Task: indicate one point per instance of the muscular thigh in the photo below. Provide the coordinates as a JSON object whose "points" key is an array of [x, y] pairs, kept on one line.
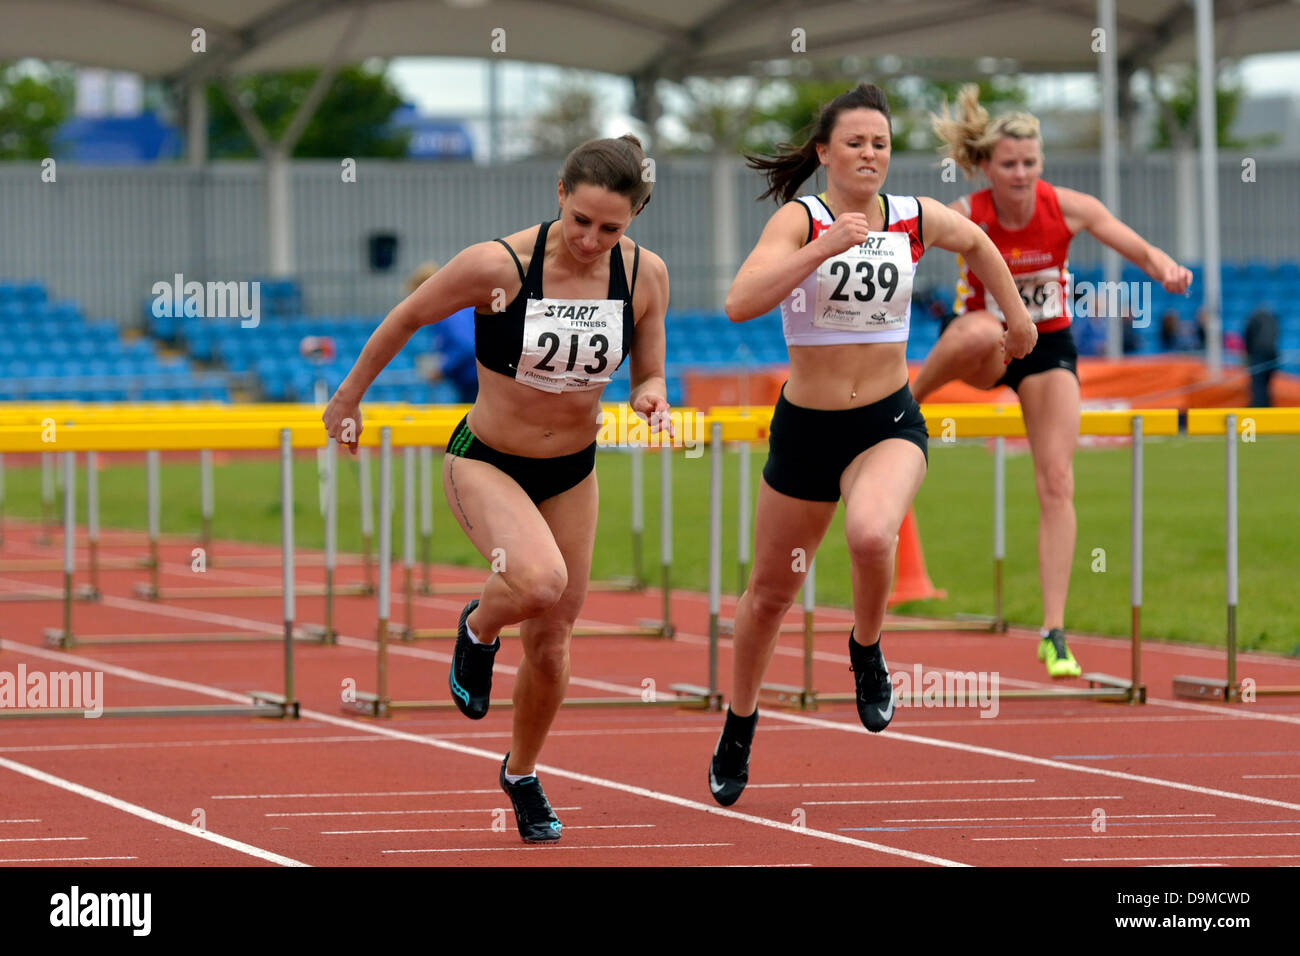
{"points": [[1049, 402], [787, 533], [497, 516]]}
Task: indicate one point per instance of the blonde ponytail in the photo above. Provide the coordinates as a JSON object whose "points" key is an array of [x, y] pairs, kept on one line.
{"points": [[969, 135]]}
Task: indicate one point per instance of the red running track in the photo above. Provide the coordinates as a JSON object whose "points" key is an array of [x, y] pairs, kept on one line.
{"points": [[1046, 783]]}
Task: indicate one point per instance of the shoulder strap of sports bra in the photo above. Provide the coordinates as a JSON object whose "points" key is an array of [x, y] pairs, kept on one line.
{"points": [[636, 262], [518, 264]]}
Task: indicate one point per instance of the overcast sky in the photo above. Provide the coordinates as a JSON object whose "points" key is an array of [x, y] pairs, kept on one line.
{"points": [[459, 87]]}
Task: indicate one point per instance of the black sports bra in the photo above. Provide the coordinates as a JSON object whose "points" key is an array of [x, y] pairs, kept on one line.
{"points": [[559, 345]]}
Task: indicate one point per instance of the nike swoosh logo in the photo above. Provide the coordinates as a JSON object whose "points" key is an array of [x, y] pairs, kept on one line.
{"points": [[713, 783], [898, 416], [886, 713]]}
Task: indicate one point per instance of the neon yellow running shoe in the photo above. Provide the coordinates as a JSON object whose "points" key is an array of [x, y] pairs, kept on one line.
{"points": [[1053, 652]]}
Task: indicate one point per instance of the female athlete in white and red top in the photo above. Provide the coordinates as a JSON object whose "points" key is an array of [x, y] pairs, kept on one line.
{"points": [[1031, 222], [840, 266]]}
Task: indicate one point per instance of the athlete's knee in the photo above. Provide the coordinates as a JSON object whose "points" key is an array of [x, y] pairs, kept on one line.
{"points": [[870, 542], [538, 588], [769, 601], [1055, 482], [978, 338]]}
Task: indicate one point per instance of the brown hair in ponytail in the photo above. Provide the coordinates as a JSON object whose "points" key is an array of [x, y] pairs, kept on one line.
{"points": [[792, 165]]}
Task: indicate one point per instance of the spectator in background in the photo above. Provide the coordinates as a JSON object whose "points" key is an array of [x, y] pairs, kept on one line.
{"points": [[1131, 343], [1090, 335], [1169, 326], [1261, 354], [453, 339], [1196, 337]]}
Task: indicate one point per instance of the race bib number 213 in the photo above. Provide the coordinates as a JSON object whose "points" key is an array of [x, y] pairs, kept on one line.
{"points": [[571, 344]]}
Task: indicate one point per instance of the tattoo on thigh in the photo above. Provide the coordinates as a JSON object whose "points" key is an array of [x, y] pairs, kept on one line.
{"points": [[451, 477]]}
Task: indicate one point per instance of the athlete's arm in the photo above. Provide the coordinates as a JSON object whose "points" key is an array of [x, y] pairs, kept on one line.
{"points": [[953, 232], [650, 302], [781, 260], [1082, 211], [476, 277]]}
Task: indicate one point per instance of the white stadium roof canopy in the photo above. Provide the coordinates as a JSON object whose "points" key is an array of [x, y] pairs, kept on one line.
{"points": [[668, 38]]}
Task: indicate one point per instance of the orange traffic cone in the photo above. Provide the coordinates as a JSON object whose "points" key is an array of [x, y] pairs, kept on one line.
{"points": [[911, 581]]}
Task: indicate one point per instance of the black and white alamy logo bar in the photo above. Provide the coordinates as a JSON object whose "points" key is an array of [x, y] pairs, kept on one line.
{"points": [[75, 908]]}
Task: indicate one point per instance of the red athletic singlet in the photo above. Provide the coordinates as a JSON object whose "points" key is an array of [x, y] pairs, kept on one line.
{"points": [[1037, 255]]}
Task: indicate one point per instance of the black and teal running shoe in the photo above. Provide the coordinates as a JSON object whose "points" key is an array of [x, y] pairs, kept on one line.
{"points": [[537, 821], [874, 690], [470, 678], [729, 769]]}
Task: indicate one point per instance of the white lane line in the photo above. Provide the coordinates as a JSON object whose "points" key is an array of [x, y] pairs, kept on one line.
{"points": [[1229, 709], [1075, 817], [837, 803], [563, 846], [153, 745], [145, 814], [393, 813], [30, 820], [891, 783], [1137, 859], [1037, 761], [65, 859], [567, 828], [39, 839], [1135, 836], [803, 831], [392, 734], [363, 793], [1270, 776], [751, 866]]}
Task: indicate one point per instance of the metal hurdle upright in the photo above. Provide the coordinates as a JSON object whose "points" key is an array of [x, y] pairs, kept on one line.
{"points": [[381, 704], [1230, 423], [88, 438]]}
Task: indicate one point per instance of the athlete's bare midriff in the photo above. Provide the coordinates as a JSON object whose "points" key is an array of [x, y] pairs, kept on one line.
{"points": [[521, 420], [827, 376]]}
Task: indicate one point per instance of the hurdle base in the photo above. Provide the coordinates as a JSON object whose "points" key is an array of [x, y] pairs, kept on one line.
{"points": [[1098, 681], [281, 706], [1205, 688], [57, 637], [145, 591], [365, 705], [687, 696], [175, 710], [318, 634], [787, 696], [87, 592]]}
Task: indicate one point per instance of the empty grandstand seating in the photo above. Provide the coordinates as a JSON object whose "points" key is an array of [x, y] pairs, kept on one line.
{"points": [[51, 352]]}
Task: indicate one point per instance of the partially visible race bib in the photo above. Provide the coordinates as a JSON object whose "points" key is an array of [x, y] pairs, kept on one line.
{"points": [[868, 287], [571, 345], [1040, 292]]}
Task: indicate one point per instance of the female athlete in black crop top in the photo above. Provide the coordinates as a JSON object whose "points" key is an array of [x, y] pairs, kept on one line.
{"points": [[555, 316]]}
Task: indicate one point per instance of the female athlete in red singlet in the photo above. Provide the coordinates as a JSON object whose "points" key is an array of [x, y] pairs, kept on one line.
{"points": [[1031, 222]]}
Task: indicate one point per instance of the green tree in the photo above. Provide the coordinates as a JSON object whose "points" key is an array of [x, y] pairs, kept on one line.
{"points": [[567, 120], [34, 101], [783, 111], [1178, 119], [351, 120]]}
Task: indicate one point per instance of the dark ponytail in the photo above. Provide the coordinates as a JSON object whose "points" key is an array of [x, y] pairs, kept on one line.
{"points": [[614, 164], [791, 167]]}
